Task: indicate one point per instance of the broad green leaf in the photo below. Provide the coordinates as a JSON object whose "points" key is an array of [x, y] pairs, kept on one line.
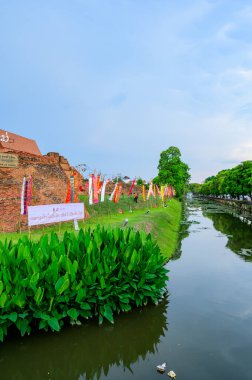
{"points": [[13, 316], [102, 281], [39, 295], [23, 326], [1, 334], [108, 314], [62, 284], [54, 324], [1, 287], [19, 299], [85, 306], [3, 299], [73, 313]]}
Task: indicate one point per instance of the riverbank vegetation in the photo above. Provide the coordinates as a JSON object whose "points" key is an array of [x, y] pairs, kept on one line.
{"points": [[98, 273], [163, 223], [235, 183]]}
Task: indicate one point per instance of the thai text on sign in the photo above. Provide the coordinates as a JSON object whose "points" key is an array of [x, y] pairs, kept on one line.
{"points": [[55, 213], [8, 160]]}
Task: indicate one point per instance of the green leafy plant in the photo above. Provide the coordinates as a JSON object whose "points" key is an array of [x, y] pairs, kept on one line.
{"points": [[98, 273]]}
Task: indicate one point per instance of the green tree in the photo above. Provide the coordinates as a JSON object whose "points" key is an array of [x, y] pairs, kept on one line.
{"points": [[235, 182], [140, 181], [173, 171], [194, 188]]}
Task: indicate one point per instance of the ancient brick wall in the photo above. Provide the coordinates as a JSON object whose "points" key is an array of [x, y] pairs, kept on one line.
{"points": [[50, 176]]}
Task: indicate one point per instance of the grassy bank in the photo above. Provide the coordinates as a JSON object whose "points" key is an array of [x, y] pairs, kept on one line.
{"points": [[162, 223]]}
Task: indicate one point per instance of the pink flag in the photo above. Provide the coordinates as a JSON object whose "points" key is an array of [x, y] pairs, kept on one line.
{"points": [[132, 186]]}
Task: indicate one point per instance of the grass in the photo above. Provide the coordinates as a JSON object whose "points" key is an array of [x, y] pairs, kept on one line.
{"points": [[162, 223]]}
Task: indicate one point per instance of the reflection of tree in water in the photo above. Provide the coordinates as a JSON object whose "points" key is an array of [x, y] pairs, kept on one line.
{"points": [[239, 233], [183, 233], [85, 352]]}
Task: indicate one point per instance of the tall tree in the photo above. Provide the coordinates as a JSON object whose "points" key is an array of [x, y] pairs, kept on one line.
{"points": [[173, 171]]}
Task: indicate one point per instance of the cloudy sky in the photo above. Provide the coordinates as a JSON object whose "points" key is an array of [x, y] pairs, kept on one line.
{"points": [[112, 83]]}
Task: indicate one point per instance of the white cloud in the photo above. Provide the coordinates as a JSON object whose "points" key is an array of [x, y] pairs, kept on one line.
{"points": [[223, 34], [241, 73], [242, 152]]}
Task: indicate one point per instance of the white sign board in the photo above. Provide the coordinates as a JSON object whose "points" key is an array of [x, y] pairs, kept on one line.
{"points": [[55, 213]]}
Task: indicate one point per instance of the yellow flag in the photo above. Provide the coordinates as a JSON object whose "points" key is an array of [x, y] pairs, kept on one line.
{"points": [[162, 192], [144, 195]]}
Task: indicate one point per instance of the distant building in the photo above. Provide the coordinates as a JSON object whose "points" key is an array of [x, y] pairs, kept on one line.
{"points": [[126, 179], [10, 142]]}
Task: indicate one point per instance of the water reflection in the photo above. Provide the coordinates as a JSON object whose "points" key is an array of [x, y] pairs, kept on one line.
{"points": [[239, 232], [85, 352], [183, 232]]}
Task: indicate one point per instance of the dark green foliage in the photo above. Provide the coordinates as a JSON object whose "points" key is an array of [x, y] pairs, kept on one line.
{"points": [[194, 188], [140, 181], [173, 171], [234, 183], [97, 273]]}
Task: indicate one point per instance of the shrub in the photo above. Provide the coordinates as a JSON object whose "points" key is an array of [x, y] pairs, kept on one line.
{"points": [[96, 273]]}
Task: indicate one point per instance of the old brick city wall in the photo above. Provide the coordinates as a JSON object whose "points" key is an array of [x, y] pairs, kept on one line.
{"points": [[50, 176]]}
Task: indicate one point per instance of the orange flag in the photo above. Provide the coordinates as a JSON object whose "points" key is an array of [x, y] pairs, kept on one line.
{"points": [[68, 197]]}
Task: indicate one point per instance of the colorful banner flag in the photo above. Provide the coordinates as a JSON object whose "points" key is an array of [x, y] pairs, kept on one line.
{"points": [[103, 189], [117, 194], [22, 196], [29, 192], [95, 188], [90, 189], [132, 186], [25, 197], [68, 196], [162, 192], [150, 191], [154, 191], [113, 192], [143, 192], [72, 188], [99, 184]]}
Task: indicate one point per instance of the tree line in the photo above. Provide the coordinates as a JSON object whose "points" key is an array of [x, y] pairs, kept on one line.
{"points": [[235, 183]]}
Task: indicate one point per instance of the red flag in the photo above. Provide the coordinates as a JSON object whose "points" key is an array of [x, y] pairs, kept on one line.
{"points": [[68, 197], [132, 186]]}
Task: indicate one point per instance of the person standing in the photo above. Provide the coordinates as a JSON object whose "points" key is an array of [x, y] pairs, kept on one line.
{"points": [[135, 197]]}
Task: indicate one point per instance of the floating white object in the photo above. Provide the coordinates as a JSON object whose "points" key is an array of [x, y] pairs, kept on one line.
{"points": [[161, 367], [172, 374]]}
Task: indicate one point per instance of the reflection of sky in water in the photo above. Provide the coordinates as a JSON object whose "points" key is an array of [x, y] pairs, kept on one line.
{"points": [[210, 312]]}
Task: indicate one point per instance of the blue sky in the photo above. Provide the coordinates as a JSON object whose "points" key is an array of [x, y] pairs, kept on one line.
{"points": [[112, 83]]}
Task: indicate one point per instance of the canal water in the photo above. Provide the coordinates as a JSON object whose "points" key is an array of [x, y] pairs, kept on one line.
{"points": [[202, 329]]}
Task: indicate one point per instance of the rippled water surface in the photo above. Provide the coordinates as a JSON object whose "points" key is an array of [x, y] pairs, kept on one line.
{"points": [[203, 330]]}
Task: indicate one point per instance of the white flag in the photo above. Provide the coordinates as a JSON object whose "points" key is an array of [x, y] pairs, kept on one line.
{"points": [[103, 190], [112, 195], [22, 196], [90, 190]]}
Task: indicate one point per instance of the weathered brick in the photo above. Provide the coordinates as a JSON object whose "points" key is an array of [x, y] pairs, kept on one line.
{"points": [[50, 182]]}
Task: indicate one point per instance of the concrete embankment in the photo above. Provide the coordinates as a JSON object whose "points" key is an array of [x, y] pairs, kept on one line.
{"points": [[243, 208]]}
